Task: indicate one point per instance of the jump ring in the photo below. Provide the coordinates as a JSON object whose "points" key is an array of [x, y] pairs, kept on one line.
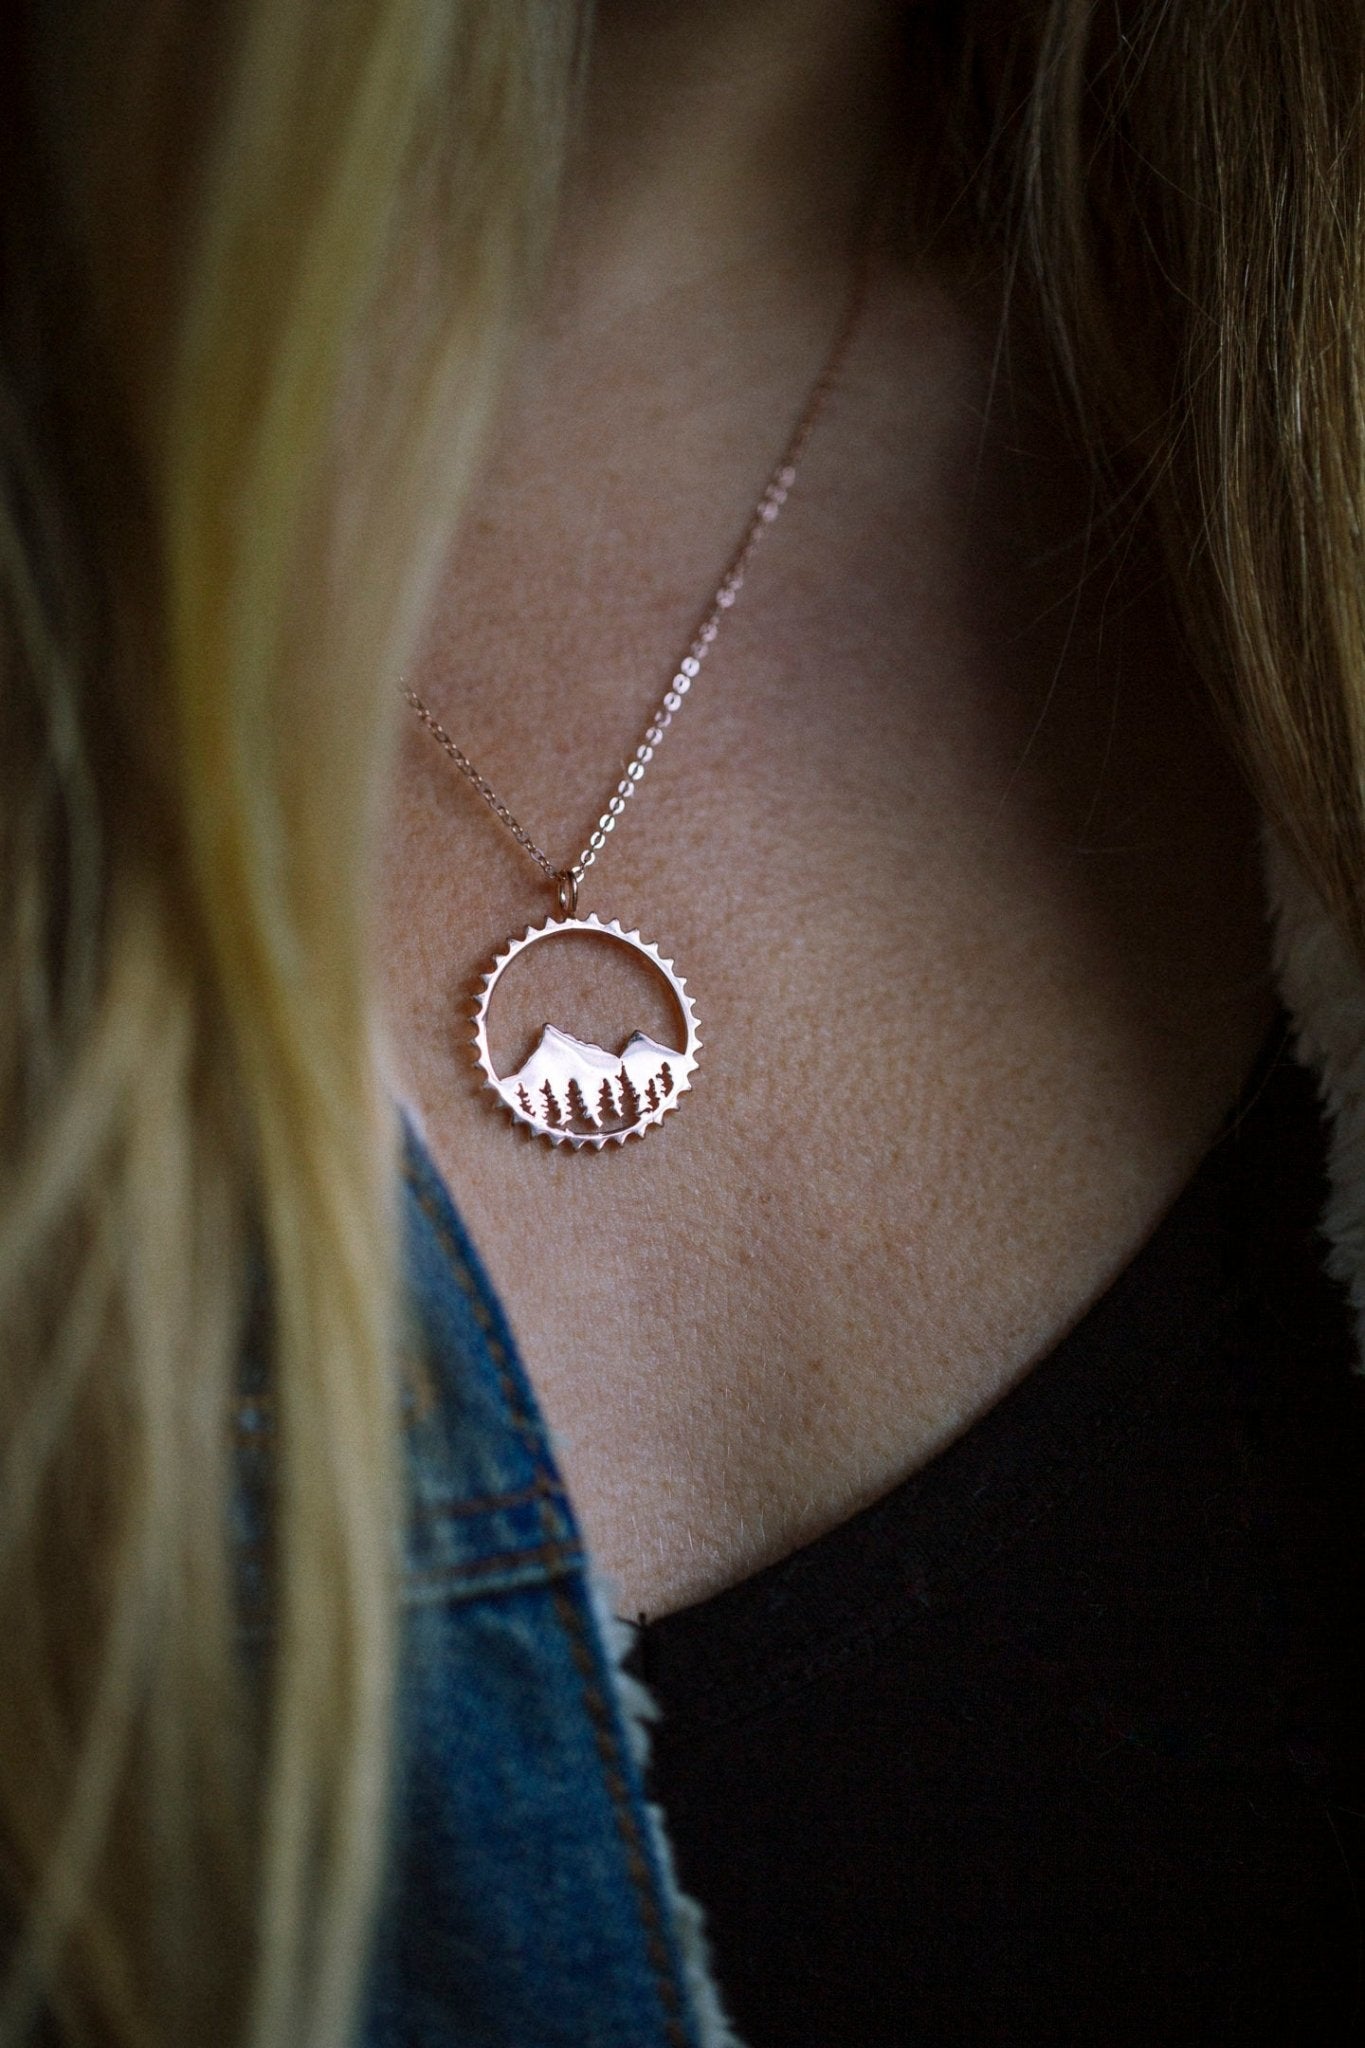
{"points": [[566, 892]]}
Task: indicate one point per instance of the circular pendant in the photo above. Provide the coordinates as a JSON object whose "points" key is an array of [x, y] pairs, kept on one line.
{"points": [[576, 1093]]}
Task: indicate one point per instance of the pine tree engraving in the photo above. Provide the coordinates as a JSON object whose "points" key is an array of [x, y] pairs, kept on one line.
{"points": [[577, 1089], [578, 1108]]}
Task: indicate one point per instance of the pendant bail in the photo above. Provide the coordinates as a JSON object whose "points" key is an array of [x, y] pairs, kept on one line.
{"points": [[566, 892]]}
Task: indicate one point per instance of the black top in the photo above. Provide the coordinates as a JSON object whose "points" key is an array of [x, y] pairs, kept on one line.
{"points": [[1061, 1741]]}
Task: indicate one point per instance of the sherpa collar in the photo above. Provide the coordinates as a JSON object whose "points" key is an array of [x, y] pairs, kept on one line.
{"points": [[1324, 992]]}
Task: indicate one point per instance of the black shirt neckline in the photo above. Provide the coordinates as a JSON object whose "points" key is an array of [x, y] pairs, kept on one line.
{"points": [[899, 1560]]}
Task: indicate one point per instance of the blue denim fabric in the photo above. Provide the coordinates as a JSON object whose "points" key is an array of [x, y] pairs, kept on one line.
{"points": [[530, 1904]]}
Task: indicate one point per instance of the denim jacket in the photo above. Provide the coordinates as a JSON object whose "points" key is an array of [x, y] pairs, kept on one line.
{"points": [[531, 1901]]}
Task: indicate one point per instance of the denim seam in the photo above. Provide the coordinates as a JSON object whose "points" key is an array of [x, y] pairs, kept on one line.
{"points": [[483, 1316], [607, 1739], [486, 1504], [605, 1733], [454, 1511], [551, 1559], [550, 1553]]}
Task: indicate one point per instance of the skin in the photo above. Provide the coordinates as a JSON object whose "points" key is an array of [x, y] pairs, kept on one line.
{"points": [[946, 841]]}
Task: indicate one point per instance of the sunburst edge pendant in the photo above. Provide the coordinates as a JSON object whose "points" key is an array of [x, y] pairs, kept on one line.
{"points": [[567, 1089]]}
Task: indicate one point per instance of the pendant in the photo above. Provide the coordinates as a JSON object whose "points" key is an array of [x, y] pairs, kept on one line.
{"points": [[579, 1094]]}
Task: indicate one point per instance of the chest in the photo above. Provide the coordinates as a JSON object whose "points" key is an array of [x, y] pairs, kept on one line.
{"points": [[972, 1003], [959, 877]]}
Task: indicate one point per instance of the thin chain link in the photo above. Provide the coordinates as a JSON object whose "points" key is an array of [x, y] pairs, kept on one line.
{"points": [[485, 789], [775, 494]]}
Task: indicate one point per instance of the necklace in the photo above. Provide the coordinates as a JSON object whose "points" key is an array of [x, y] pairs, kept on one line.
{"points": [[568, 1090]]}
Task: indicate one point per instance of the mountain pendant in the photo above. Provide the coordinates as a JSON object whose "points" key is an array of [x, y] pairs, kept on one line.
{"points": [[579, 1094]]}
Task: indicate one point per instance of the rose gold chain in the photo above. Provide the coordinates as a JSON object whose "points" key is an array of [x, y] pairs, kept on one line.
{"points": [[769, 506]]}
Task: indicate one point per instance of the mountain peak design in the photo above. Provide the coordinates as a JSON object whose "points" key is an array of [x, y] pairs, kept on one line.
{"points": [[570, 1083]]}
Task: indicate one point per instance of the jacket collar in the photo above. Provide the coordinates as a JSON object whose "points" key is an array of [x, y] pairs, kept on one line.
{"points": [[1323, 989]]}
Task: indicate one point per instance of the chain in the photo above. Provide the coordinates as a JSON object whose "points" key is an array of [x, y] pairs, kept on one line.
{"points": [[485, 789], [774, 497]]}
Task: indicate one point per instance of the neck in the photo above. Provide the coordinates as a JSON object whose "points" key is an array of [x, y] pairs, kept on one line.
{"points": [[720, 135]]}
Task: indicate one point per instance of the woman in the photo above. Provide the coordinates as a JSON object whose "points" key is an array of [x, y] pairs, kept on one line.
{"points": [[957, 842]]}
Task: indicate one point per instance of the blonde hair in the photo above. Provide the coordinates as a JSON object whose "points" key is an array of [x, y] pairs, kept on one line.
{"points": [[245, 362], [225, 494]]}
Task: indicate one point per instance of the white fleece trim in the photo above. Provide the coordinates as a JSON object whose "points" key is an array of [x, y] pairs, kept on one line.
{"points": [[638, 1709], [1324, 991]]}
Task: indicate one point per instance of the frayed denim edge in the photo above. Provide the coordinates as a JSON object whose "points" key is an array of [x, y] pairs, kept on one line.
{"points": [[638, 1709]]}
